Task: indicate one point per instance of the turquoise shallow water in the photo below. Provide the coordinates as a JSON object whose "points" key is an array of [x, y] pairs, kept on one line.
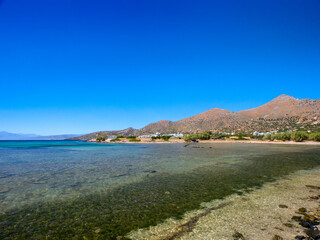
{"points": [[74, 189]]}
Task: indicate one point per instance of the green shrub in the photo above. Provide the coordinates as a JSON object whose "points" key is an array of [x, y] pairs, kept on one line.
{"points": [[101, 138], [115, 140], [315, 137], [131, 137], [278, 136], [165, 138], [240, 137], [299, 136], [269, 136], [203, 136], [187, 138], [134, 140], [286, 136], [120, 136]]}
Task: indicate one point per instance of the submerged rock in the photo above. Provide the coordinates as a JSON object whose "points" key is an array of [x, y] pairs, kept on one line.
{"points": [[39, 182], [277, 237], [296, 218], [313, 234], [314, 197], [289, 225], [302, 210], [238, 236], [5, 175], [313, 187], [283, 206], [75, 184], [119, 175], [4, 190], [300, 237], [308, 224], [310, 218]]}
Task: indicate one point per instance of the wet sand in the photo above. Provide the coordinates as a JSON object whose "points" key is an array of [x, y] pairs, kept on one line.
{"points": [[261, 214]]}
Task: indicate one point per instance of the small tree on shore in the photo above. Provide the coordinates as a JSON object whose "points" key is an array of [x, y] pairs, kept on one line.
{"points": [[188, 138], [299, 136], [101, 138], [269, 136], [315, 137]]}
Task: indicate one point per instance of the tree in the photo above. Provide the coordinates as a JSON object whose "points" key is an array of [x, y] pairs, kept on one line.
{"points": [[165, 138], [315, 137], [101, 138], [188, 138], [286, 136], [299, 136], [269, 136]]}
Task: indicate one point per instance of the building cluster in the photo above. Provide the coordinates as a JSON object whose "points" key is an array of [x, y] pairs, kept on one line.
{"points": [[255, 133], [158, 134]]}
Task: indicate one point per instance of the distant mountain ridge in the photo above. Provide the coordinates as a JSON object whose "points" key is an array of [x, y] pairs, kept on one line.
{"points": [[19, 136], [282, 113], [125, 132]]}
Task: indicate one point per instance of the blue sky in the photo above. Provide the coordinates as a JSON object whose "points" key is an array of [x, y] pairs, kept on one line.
{"points": [[70, 66]]}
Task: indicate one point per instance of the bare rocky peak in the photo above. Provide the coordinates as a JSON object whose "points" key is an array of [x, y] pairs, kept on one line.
{"points": [[284, 98]]}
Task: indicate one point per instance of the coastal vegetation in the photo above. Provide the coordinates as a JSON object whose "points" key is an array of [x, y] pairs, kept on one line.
{"points": [[315, 137], [201, 136], [296, 136], [115, 140], [241, 137], [101, 138], [163, 137], [134, 140], [131, 137]]}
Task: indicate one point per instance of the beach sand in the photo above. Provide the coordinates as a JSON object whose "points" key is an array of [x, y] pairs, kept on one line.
{"points": [[148, 140]]}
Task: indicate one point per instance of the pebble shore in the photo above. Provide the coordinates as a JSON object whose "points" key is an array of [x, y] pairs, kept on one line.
{"points": [[286, 209]]}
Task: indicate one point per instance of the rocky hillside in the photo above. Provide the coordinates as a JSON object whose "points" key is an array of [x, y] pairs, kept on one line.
{"points": [[126, 132], [282, 113]]}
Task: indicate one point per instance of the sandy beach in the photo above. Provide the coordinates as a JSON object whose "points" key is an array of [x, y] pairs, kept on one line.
{"points": [[149, 141]]}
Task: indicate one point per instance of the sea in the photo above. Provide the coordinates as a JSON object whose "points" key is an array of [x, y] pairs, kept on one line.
{"points": [[84, 190]]}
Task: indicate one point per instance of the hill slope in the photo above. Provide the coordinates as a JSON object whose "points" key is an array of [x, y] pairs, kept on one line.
{"points": [[279, 113], [282, 113], [126, 132]]}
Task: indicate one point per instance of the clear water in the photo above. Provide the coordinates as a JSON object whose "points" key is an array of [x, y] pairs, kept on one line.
{"points": [[77, 190]]}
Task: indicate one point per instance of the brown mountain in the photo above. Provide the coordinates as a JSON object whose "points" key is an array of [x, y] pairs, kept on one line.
{"points": [[126, 132], [282, 113]]}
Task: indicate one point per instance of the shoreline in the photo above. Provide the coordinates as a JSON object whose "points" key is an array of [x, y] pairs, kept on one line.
{"points": [[215, 141], [266, 213]]}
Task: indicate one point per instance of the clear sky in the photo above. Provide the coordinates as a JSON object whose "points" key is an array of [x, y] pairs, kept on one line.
{"points": [[74, 66]]}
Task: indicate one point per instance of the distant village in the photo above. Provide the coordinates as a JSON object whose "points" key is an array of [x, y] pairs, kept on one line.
{"points": [[181, 135]]}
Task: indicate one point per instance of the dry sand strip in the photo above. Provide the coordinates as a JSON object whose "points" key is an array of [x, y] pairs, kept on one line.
{"points": [[262, 142], [264, 214], [149, 141]]}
